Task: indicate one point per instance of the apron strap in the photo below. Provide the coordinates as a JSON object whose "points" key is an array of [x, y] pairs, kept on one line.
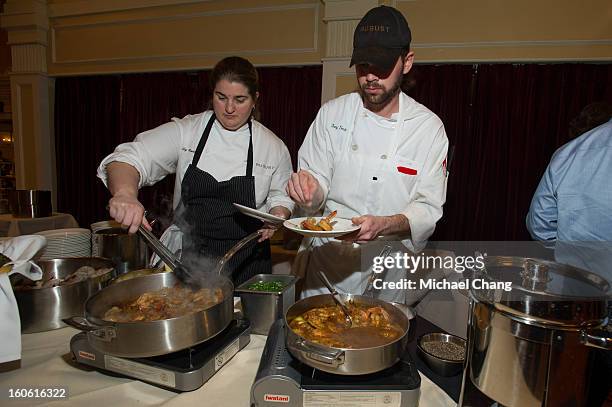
{"points": [[203, 139], [249, 169]]}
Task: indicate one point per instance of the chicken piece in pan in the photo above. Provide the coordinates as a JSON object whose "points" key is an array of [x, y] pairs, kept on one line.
{"points": [[169, 302]]}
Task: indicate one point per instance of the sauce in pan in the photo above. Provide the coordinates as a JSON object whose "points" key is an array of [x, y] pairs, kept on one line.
{"points": [[371, 327]]}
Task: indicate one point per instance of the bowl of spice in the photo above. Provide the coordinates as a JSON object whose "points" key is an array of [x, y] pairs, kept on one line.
{"points": [[443, 353], [265, 298]]}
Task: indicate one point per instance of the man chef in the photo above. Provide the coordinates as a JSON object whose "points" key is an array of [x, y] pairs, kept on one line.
{"points": [[376, 156]]}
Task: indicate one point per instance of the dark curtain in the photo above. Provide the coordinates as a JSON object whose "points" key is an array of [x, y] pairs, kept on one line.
{"points": [[297, 91], [504, 122], [520, 116], [138, 102], [86, 130], [447, 91]]}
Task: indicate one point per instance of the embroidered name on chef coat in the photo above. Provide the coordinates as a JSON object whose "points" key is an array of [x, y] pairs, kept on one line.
{"points": [[265, 166], [338, 127]]}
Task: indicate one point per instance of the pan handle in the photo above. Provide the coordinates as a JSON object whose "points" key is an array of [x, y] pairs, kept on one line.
{"points": [[333, 358], [80, 323], [231, 252], [105, 333], [600, 340]]}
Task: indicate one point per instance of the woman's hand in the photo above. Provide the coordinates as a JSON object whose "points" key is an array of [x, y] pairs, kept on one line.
{"points": [[268, 229], [124, 207], [127, 210], [266, 233]]}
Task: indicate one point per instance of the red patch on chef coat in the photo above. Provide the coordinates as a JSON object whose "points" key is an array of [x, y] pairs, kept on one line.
{"points": [[406, 170]]}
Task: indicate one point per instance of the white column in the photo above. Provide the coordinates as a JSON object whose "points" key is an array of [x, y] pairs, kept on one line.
{"points": [[27, 24], [341, 17]]}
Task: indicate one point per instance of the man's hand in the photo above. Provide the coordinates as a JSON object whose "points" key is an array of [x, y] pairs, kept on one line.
{"points": [[305, 190], [374, 226]]}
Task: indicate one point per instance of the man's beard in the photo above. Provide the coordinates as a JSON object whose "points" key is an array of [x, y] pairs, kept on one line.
{"points": [[377, 102]]}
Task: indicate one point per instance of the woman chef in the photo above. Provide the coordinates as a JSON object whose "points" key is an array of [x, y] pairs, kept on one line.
{"points": [[220, 157]]}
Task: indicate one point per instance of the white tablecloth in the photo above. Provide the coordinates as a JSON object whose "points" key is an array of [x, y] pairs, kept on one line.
{"points": [[11, 226], [46, 361]]}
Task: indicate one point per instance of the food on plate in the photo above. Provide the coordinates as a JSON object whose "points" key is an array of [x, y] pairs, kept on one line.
{"points": [[325, 224], [272, 286], [4, 266], [83, 273], [371, 326], [169, 302]]}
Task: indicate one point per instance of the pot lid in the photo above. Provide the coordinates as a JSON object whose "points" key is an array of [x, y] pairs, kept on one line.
{"points": [[542, 291]]}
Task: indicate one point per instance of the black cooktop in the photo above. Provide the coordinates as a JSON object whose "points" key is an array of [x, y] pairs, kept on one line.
{"points": [[193, 358], [403, 375]]}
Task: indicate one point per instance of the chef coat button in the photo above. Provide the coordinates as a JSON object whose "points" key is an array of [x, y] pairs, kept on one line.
{"points": [[354, 147], [383, 157]]}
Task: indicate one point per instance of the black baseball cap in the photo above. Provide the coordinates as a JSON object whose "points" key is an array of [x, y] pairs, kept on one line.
{"points": [[380, 37]]}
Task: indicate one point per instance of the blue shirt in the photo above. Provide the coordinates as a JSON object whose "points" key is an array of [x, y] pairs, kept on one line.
{"points": [[573, 201]]}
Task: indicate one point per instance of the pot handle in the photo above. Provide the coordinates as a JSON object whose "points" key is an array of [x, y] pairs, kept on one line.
{"points": [[105, 333], [80, 323], [334, 358], [599, 339], [234, 249]]}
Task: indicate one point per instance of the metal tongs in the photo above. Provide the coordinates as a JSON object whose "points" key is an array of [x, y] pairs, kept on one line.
{"points": [[182, 273], [336, 297]]}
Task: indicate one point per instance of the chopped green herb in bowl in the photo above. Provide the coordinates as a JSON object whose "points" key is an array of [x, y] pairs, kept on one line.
{"points": [[267, 286]]}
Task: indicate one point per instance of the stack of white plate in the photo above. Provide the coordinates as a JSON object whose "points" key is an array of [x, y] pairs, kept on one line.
{"points": [[75, 242]]}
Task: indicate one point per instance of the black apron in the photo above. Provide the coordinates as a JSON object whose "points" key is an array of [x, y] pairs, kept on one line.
{"points": [[211, 225]]}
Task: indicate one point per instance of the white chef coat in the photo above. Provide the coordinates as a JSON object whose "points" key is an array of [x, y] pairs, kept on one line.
{"points": [[169, 149], [402, 174]]}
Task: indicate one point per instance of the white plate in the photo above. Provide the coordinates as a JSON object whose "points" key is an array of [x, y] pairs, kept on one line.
{"points": [[64, 233], [254, 213], [341, 227]]}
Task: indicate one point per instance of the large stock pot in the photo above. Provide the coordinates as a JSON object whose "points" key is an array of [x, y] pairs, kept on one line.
{"points": [[44, 309], [532, 346]]}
